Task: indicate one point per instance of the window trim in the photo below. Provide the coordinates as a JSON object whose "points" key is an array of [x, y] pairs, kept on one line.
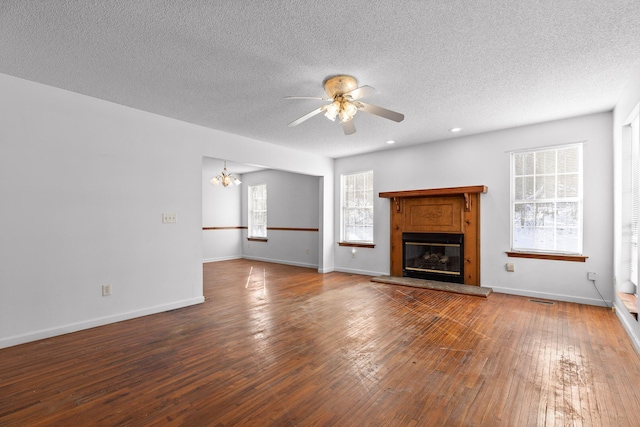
{"points": [[250, 211], [355, 243], [631, 126], [548, 254]]}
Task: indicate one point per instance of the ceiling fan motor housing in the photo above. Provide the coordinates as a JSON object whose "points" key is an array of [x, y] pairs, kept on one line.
{"points": [[337, 85]]}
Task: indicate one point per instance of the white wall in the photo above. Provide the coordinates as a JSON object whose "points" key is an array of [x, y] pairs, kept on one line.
{"points": [[484, 160], [292, 202], [83, 184], [629, 98], [220, 208]]}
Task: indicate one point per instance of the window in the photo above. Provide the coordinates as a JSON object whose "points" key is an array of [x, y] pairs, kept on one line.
{"points": [[258, 211], [357, 207], [634, 126], [546, 200]]}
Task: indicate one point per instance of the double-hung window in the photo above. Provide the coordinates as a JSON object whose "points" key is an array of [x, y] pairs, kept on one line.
{"points": [[634, 126], [357, 207], [258, 211], [546, 200]]}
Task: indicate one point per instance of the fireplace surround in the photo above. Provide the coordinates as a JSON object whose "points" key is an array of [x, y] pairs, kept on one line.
{"points": [[443, 211]]}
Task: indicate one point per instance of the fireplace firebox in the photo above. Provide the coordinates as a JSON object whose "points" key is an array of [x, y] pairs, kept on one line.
{"points": [[433, 256]]}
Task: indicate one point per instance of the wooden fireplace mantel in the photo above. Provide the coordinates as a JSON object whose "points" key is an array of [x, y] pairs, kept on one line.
{"points": [[395, 196], [438, 210], [435, 192]]}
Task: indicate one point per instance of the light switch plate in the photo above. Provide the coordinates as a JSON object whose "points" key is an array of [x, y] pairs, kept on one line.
{"points": [[169, 218]]}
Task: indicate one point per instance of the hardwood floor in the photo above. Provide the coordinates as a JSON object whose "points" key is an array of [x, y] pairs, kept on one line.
{"points": [[285, 346]]}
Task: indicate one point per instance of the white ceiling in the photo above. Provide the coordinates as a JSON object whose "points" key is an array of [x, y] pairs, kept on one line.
{"points": [[215, 166], [480, 65]]}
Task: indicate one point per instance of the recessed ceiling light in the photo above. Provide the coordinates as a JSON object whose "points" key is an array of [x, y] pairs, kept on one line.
{"points": [[455, 129], [391, 141]]}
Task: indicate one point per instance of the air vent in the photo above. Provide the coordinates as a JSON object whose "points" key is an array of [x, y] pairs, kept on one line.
{"points": [[539, 301]]}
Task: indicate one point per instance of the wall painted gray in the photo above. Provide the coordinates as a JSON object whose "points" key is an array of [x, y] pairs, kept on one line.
{"points": [[292, 202]]}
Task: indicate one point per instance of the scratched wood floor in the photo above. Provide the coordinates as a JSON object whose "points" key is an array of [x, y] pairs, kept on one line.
{"points": [[285, 346]]}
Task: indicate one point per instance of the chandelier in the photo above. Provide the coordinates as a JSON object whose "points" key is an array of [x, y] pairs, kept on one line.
{"points": [[225, 178]]}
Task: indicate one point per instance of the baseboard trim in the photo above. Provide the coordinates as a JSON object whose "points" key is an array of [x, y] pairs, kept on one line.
{"points": [[280, 261], [92, 323], [362, 272], [228, 258], [555, 297], [625, 319]]}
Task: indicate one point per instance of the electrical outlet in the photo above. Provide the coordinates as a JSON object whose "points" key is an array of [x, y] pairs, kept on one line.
{"points": [[306, 251], [106, 290], [591, 275], [169, 218], [510, 267]]}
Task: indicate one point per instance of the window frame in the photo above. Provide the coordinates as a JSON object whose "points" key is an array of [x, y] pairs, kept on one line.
{"points": [[344, 240], [252, 210], [633, 124], [537, 251]]}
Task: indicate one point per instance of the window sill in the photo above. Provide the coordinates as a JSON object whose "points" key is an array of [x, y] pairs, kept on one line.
{"points": [[357, 245], [630, 301], [257, 239], [557, 257]]}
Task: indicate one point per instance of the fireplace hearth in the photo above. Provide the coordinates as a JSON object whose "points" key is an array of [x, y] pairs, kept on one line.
{"points": [[433, 256]]}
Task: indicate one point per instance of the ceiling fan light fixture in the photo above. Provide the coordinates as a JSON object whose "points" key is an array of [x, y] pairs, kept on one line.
{"points": [[344, 102], [345, 116], [349, 108], [332, 110]]}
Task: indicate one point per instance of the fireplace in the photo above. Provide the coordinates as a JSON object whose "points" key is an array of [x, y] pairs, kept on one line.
{"points": [[446, 212], [433, 256]]}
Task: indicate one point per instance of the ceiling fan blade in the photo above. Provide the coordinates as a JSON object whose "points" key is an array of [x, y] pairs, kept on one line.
{"points": [[306, 116], [349, 127], [360, 92], [379, 111], [307, 97]]}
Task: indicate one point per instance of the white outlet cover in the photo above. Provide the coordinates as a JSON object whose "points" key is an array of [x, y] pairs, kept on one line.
{"points": [[169, 218]]}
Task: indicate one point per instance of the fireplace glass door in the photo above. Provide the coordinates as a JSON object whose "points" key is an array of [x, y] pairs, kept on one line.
{"points": [[434, 256]]}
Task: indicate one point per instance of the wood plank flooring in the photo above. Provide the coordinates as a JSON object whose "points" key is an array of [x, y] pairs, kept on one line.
{"points": [[285, 346]]}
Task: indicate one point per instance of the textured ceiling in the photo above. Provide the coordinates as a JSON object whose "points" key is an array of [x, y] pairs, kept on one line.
{"points": [[480, 65]]}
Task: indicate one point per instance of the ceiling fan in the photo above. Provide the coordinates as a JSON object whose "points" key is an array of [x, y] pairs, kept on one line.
{"points": [[344, 97]]}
